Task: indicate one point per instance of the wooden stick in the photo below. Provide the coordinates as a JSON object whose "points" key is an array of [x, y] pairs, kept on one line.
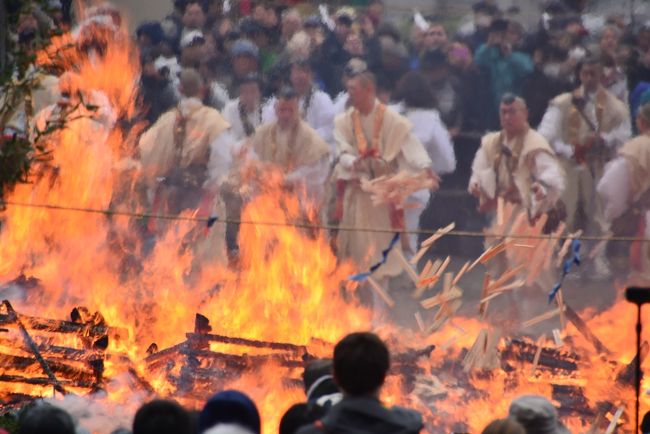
{"points": [[490, 253], [507, 275], [482, 307], [443, 267], [438, 234], [557, 338], [514, 285], [584, 329], [441, 298], [380, 291], [541, 318], [406, 266], [538, 353], [446, 283], [420, 321], [415, 259], [559, 299], [460, 273], [598, 248], [612, 425], [500, 216], [565, 247], [425, 270]]}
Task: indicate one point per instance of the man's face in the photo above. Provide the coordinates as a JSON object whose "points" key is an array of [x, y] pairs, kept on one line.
{"points": [[590, 76], [301, 78], [286, 110], [358, 91], [435, 37], [243, 65], [609, 41], [342, 31], [290, 25], [376, 10], [249, 95], [513, 117], [194, 18], [354, 45]]}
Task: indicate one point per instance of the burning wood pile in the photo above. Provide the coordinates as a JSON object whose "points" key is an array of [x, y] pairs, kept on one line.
{"points": [[39, 356]]}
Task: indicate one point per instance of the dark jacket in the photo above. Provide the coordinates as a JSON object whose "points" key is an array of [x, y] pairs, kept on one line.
{"points": [[366, 416]]}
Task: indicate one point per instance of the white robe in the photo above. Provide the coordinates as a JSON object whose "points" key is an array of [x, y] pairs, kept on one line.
{"points": [[231, 115], [319, 116]]}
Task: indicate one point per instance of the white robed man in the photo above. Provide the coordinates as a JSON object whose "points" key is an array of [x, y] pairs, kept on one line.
{"points": [[372, 141], [290, 144], [316, 107], [184, 157], [518, 166], [244, 114], [625, 190], [585, 127]]}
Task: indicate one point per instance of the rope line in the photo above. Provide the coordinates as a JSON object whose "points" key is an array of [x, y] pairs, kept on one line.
{"points": [[304, 225]]}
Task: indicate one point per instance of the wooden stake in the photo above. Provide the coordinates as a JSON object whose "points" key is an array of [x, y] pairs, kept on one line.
{"points": [[380, 291], [541, 318], [538, 353], [438, 234], [406, 266], [612, 425], [460, 273], [420, 321], [557, 338]]}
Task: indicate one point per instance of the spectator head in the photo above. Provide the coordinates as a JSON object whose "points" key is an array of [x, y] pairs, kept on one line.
{"points": [[610, 40], [301, 76], [191, 83], [484, 13], [179, 6], [362, 89], [375, 11], [504, 426], [513, 113], [255, 31], [245, 56], [291, 22], [193, 49], [229, 429], [149, 34], [435, 37], [162, 417], [435, 66], [296, 417], [590, 71], [318, 379], [459, 55], [194, 15], [45, 418], [343, 20], [643, 38], [537, 415], [361, 360], [299, 46], [230, 407], [354, 45], [414, 91], [515, 33], [250, 91], [643, 125], [645, 423], [287, 108]]}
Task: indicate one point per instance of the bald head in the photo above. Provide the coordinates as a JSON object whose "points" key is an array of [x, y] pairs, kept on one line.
{"points": [[513, 113], [191, 83]]}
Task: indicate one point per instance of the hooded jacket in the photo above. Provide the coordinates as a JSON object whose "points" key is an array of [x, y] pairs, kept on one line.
{"points": [[366, 415]]}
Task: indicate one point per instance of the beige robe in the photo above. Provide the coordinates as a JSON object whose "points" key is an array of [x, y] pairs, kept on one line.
{"points": [[157, 147], [158, 156], [401, 150], [568, 128], [512, 178]]}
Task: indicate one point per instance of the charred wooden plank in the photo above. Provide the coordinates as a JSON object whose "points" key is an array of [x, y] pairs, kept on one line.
{"points": [[519, 350], [58, 326], [43, 381], [245, 360], [583, 328], [247, 342]]}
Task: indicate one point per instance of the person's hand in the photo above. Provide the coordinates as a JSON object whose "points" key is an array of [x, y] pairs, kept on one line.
{"points": [[539, 191], [474, 189]]}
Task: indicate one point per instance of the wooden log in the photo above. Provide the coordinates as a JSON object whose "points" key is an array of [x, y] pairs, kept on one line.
{"points": [[614, 422], [584, 329], [247, 342], [33, 347], [381, 292], [44, 381], [20, 363], [550, 358], [56, 326]]}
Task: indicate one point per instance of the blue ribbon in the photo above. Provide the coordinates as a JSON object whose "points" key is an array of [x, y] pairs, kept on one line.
{"points": [[384, 256], [566, 268], [211, 221]]}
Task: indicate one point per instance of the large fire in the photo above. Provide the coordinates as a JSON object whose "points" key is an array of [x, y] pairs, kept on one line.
{"points": [[288, 287]]}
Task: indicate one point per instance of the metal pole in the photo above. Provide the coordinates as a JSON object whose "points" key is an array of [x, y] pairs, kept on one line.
{"points": [[638, 365]]}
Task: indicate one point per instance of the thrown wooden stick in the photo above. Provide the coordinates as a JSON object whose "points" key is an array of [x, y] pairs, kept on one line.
{"points": [[541, 318], [490, 253], [538, 354], [420, 322], [406, 266], [380, 291], [460, 273], [438, 234], [612, 425]]}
